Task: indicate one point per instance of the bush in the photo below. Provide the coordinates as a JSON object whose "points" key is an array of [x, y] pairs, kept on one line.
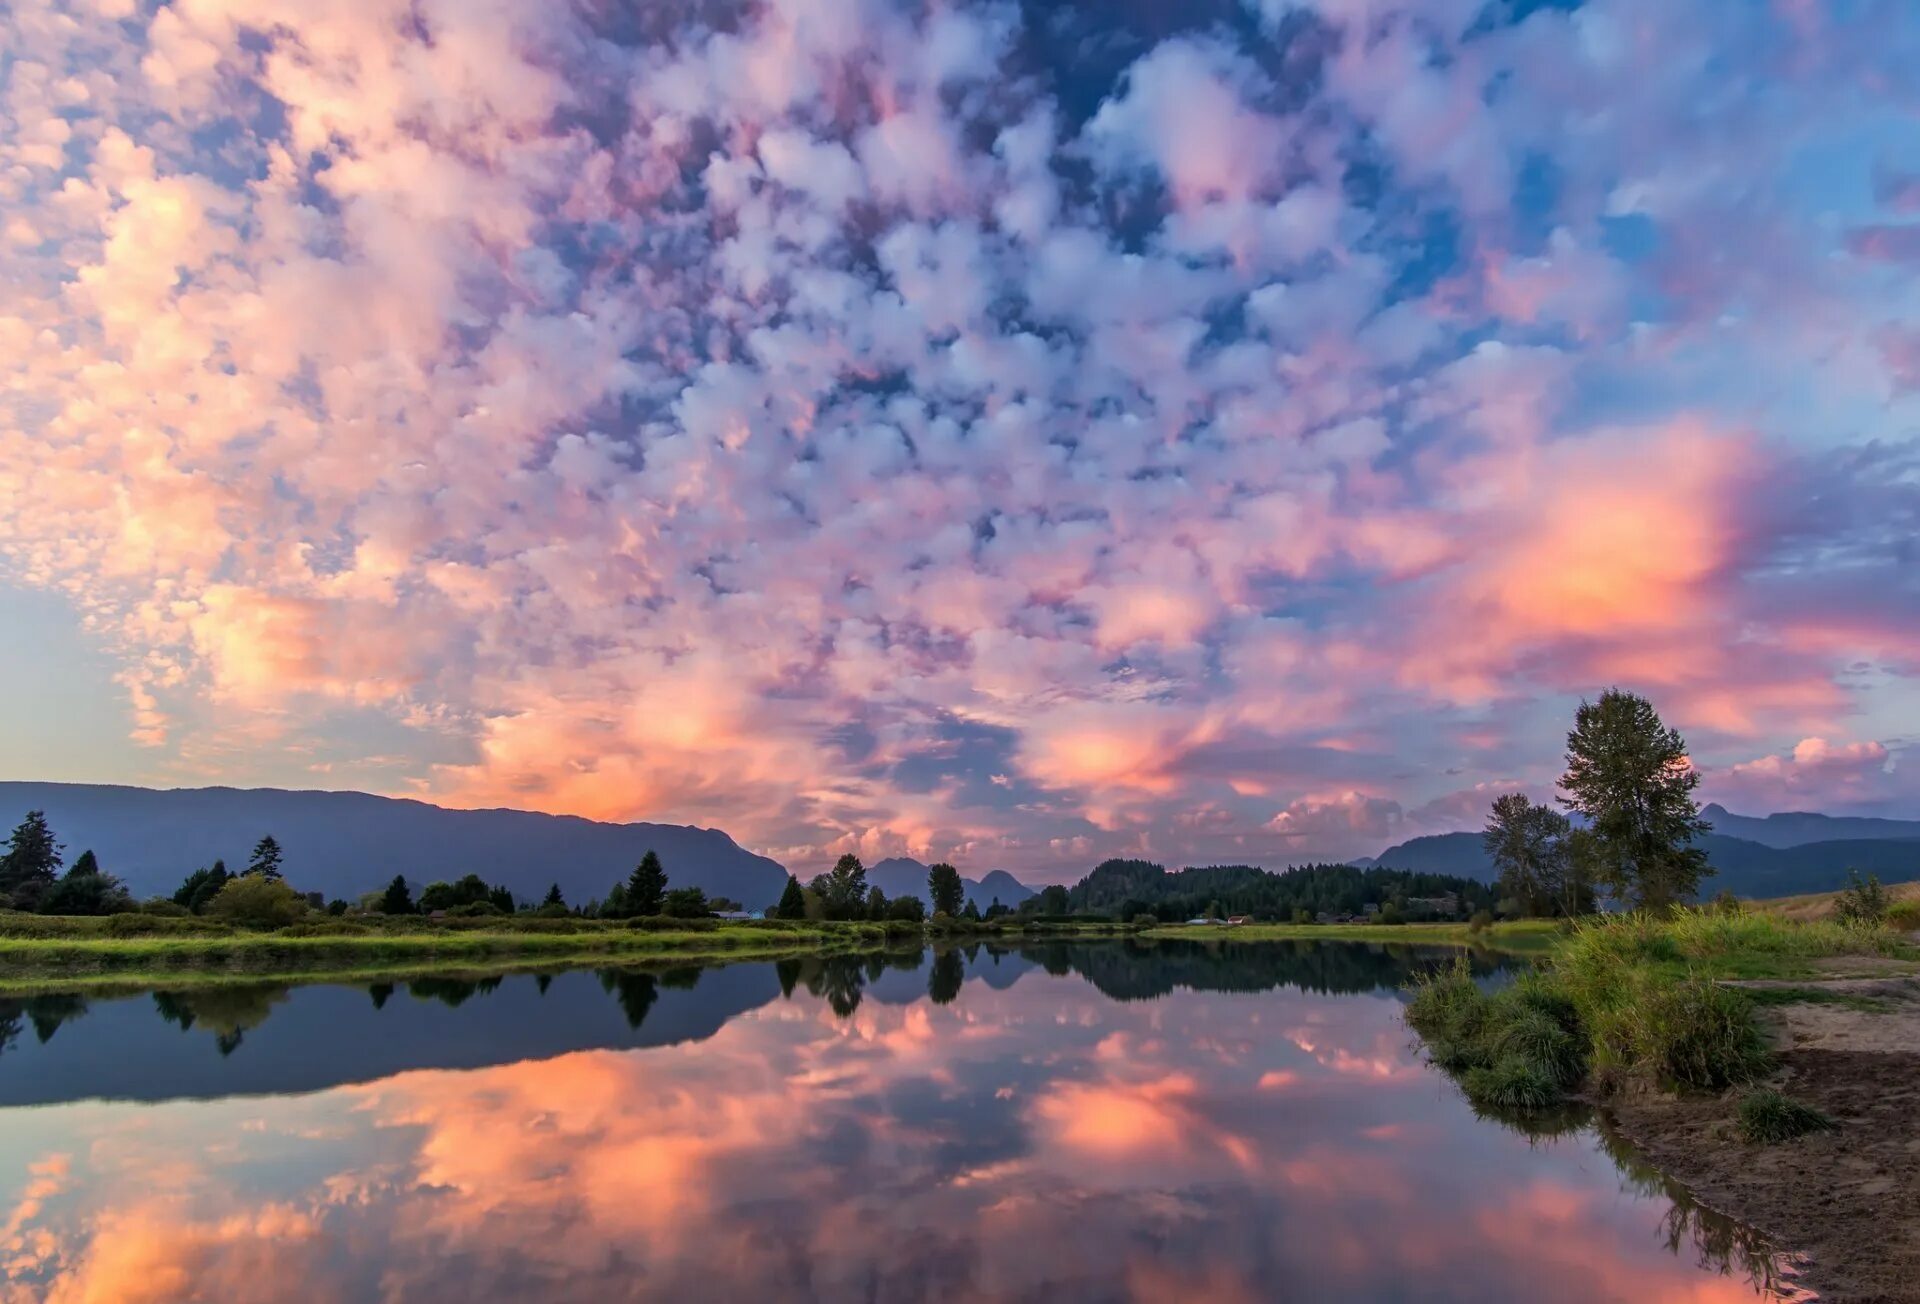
{"points": [[1145, 919], [475, 910], [1482, 920], [1768, 1116], [132, 924], [1862, 903], [164, 908], [1511, 1083], [326, 928], [257, 902]]}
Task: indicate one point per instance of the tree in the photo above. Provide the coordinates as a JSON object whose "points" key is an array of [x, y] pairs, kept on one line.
{"points": [[793, 901], [944, 978], [945, 889], [1531, 847], [647, 886], [32, 861], [909, 908], [843, 889], [265, 860], [202, 886], [86, 891], [502, 899], [1051, 900], [397, 899], [553, 898], [258, 900], [685, 903], [1629, 775], [876, 904]]}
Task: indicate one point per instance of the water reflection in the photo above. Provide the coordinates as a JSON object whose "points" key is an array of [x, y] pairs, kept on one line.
{"points": [[1090, 1122]]}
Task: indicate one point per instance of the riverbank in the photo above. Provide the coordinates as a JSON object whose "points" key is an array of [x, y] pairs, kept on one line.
{"points": [[1702, 1034], [41, 953], [1519, 937]]}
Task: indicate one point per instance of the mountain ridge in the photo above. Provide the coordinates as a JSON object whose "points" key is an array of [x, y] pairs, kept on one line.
{"points": [[905, 876], [349, 843]]}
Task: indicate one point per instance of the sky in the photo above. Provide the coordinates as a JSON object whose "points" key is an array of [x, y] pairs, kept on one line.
{"points": [[1019, 434]]}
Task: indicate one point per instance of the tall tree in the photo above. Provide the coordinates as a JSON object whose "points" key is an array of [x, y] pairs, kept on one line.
{"points": [[88, 863], [265, 861], [1629, 775], [1531, 846], [945, 889], [647, 886], [553, 898], [32, 860], [793, 901], [398, 898], [843, 889]]}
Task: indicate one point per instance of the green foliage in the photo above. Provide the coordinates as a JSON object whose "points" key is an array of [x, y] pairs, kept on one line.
{"points": [[1390, 913], [908, 908], [647, 886], [398, 898], [793, 901], [1767, 1117], [86, 891], [1630, 776], [843, 889], [553, 898], [469, 890], [1862, 903], [202, 886], [685, 903], [32, 861], [476, 910], [1511, 1082], [257, 901], [945, 888], [1121, 889], [1481, 921], [1531, 847], [265, 861]]}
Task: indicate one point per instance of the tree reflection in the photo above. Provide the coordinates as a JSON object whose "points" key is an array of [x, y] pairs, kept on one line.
{"points": [[944, 978], [228, 1011], [635, 990]]}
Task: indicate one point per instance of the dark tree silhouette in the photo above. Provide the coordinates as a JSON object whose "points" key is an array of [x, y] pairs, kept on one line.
{"points": [[793, 901], [265, 860], [398, 898], [945, 889], [647, 886], [32, 861], [1629, 775]]}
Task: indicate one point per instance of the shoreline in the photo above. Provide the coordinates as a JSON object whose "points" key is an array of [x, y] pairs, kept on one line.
{"points": [[88, 956]]}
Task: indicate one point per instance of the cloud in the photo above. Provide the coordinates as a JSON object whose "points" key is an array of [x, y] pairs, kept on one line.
{"points": [[1856, 778], [624, 416]]}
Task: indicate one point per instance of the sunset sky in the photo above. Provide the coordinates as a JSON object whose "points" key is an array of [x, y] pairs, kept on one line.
{"points": [[1224, 430]]}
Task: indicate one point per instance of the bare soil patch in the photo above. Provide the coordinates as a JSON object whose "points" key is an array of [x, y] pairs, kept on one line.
{"points": [[1849, 1199]]}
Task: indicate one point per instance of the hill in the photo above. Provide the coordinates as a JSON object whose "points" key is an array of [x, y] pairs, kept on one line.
{"points": [[1747, 868], [1797, 828], [347, 843], [905, 876]]}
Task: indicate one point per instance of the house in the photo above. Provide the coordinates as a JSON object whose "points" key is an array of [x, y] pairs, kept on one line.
{"points": [[1239, 919]]}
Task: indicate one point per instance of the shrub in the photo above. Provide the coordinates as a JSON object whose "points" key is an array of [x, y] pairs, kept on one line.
{"points": [[326, 928], [257, 901], [1481, 921], [1768, 1116], [1145, 919], [1511, 1083], [163, 908], [475, 910], [1862, 903], [1690, 1033]]}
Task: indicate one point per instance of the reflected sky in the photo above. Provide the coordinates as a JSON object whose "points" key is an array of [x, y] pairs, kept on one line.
{"points": [[1082, 1123]]}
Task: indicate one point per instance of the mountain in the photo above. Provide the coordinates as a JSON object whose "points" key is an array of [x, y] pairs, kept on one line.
{"points": [[1797, 828], [904, 876], [348, 843], [1747, 868]]}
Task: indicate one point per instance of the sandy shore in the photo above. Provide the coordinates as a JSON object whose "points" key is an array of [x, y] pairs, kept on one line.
{"points": [[1849, 1199]]}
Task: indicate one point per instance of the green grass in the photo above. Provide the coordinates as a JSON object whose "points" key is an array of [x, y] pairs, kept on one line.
{"points": [[1767, 1117], [1628, 997], [1520, 937]]}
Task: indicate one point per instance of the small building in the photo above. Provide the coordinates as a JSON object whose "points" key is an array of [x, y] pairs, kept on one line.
{"points": [[739, 914], [1239, 919]]}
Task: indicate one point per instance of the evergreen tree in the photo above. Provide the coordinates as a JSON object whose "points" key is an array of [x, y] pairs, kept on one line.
{"points": [[265, 861], [553, 898], [972, 913], [876, 904], [793, 901], [398, 898], [502, 899], [85, 891], [1629, 775], [945, 889], [88, 863], [32, 861], [647, 886]]}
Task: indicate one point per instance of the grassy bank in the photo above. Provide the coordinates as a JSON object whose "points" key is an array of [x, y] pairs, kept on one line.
{"points": [[1627, 999], [40, 953], [1524, 936]]}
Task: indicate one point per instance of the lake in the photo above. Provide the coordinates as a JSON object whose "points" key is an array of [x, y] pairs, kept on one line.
{"points": [[1103, 1121]]}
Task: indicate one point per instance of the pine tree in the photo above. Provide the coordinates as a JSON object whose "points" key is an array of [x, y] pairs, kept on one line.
{"points": [[1630, 776], [793, 901], [553, 898], [945, 889], [88, 863], [32, 861], [647, 886], [265, 861], [398, 898]]}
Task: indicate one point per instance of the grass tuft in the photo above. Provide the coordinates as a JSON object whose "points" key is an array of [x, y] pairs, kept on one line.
{"points": [[1768, 1117]]}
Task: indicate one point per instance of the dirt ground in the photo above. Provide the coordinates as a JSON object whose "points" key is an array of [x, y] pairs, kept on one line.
{"points": [[1849, 1199]]}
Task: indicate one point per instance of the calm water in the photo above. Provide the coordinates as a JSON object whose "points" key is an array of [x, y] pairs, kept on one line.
{"points": [[1093, 1122]]}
